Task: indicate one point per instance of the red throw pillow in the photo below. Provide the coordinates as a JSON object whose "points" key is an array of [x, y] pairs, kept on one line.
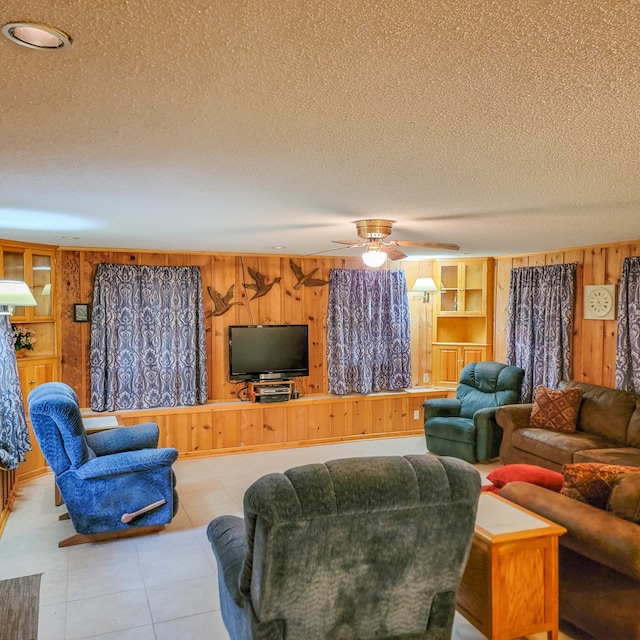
{"points": [[592, 482], [526, 473], [556, 409]]}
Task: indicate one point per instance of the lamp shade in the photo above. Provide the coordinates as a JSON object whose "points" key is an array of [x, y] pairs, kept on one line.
{"points": [[424, 285], [14, 293]]}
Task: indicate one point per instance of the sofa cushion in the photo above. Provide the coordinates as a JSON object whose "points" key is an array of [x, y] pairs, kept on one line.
{"points": [[555, 409], [592, 482], [624, 500], [558, 448], [604, 411], [526, 473], [629, 456], [455, 429]]}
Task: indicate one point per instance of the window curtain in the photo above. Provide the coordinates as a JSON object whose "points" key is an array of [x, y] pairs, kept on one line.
{"points": [[14, 436], [539, 327], [628, 339], [148, 346], [368, 331]]}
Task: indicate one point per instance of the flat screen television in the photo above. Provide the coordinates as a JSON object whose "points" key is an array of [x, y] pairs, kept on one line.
{"points": [[268, 352]]}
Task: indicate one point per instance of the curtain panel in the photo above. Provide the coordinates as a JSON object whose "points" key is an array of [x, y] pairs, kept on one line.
{"points": [[148, 346], [368, 331], [14, 435], [628, 338], [539, 328]]}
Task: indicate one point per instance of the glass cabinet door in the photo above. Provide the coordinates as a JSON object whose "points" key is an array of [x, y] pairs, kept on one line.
{"points": [[449, 288], [41, 285], [13, 269], [474, 287]]}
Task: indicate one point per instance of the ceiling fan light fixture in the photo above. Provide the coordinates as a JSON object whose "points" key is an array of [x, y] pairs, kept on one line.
{"points": [[373, 257], [36, 36]]}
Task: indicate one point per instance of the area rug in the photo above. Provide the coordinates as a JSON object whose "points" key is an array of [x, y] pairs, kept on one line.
{"points": [[19, 604]]}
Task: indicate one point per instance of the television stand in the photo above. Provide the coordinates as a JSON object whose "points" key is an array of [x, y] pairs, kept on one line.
{"points": [[270, 390]]}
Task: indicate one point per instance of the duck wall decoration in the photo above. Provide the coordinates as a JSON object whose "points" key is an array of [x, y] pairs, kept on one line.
{"points": [[221, 304], [261, 287], [306, 280]]}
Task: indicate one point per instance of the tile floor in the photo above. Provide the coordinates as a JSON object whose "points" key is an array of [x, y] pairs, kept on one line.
{"points": [[159, 587]]}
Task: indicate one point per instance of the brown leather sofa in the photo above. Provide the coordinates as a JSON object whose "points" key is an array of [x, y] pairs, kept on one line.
{"points": [[608, 430], [599, 560], [600, 553]]}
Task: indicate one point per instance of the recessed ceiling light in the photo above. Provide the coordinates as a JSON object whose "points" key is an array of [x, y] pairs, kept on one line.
{"points": [[36, 36]]}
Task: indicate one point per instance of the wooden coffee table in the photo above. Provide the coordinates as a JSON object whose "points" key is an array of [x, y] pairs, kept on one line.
{"points": [[510, 585]]}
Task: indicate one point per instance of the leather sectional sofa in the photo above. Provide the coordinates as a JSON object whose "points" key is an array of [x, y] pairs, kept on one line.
{"points": [[608, 430], [599, 555]]}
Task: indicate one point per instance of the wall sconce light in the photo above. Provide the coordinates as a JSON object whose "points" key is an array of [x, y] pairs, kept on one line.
{"points": [[424, 286], [14, 293]]}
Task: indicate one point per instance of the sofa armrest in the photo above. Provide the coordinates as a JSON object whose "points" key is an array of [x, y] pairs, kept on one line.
{"points": [[139, 436], [127, 462], [227, 535], [591, 532], [441, 407], [511, 417]]}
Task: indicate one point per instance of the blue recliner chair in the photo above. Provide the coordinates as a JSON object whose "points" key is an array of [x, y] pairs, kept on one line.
{"points": [[114, 483], [356, 548], [465, 427]]}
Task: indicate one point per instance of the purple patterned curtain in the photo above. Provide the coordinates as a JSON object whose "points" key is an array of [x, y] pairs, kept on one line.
{"points": [[628, 340], [148, 346], [368, 331], [540, 324], [14, 435]]}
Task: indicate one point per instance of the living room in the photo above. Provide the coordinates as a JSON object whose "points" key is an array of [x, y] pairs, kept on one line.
{"points": [[245, 137]]}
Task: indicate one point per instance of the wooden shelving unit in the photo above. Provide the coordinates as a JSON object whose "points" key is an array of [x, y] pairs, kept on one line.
{"points": [[462, 317]]}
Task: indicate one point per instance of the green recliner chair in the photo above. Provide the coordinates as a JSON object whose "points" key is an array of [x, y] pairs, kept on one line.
{"points": [[352, 549], [465, 427]]}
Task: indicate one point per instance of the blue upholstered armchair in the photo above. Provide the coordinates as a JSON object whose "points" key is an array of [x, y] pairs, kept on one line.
{"points": [[465, 427], [114, 483], [354, 548]]}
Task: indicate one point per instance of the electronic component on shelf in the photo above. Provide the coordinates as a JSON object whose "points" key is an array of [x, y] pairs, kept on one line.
{"points": [[270, 392]]}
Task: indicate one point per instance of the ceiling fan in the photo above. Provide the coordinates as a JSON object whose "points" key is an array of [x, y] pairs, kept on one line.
{"points": [[374, 234]]}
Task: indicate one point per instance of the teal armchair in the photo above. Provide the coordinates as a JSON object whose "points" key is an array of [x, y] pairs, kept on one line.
{"points": [[465, 426], [357, 549]]}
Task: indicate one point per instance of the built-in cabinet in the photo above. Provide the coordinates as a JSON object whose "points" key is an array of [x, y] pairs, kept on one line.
{"points": [[462, 317], [36, 267]]}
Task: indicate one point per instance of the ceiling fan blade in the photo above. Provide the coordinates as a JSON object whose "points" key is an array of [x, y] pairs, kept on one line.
{"points": [[426, 245], [351, 244], [392, 252], [317, 253]]}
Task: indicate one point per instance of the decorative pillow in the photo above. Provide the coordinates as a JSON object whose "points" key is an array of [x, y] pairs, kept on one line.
{"points": [[526, 473], [555, 409], [592, 482], [624, 500]]}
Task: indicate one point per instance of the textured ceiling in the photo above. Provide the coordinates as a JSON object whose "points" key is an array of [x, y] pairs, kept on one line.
{"points": [[239, 126]]}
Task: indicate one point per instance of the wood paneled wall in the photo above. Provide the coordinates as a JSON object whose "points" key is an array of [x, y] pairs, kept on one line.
{"points": [[594, 341], [283, 304]]}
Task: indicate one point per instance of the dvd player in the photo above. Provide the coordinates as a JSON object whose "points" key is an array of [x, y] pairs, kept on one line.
{"points": [[272, 390], [274, 397]]}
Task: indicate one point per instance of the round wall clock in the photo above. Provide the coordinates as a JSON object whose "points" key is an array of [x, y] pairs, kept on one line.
{"points": [[599, 302]]}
